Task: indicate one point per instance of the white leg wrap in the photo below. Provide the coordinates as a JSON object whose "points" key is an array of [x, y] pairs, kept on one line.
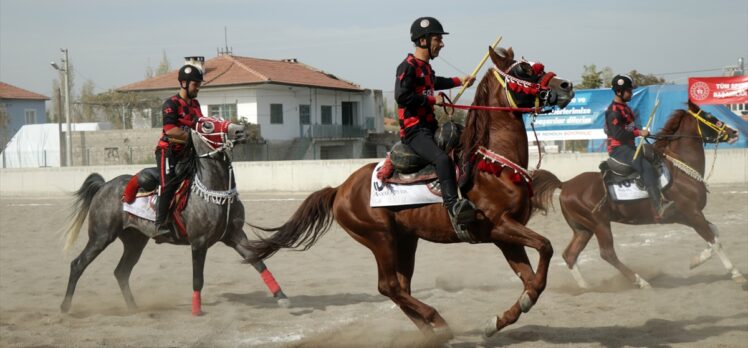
{"points": [[641, 283], [734, 273], [705, 255], [578, 277], [490, 327]]}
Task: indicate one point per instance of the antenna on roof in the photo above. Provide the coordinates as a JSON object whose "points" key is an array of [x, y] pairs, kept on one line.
{"points": [[226, 50]]}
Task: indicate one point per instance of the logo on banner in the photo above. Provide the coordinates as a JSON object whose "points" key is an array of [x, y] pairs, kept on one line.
{"points": [[699, 91]]}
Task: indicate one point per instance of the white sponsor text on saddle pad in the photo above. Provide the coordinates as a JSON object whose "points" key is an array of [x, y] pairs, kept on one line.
{"points": [[388, 195], [628, 191], [143, 207]]}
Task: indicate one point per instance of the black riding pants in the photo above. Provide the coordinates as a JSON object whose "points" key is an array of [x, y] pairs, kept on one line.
{"points": [[422, 142], [167, 174], [625, 154]]}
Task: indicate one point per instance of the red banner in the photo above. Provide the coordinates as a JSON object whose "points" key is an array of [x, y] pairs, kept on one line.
{"points": [[718, 90]]}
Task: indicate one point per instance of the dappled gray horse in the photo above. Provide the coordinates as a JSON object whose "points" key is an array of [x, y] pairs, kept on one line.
{"points": [[213, 214]]}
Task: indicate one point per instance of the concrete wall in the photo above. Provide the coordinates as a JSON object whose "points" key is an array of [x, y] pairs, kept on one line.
{"points": [[731, 167]]}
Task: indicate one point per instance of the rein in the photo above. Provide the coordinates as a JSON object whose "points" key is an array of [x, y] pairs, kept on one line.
{"points": [[526, 86]]}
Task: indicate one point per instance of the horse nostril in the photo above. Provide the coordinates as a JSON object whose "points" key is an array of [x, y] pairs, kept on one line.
{"points": [[566, 85]]}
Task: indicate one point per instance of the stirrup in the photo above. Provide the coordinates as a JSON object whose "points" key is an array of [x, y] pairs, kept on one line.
{"points": [[462, 214], [162, 229]]}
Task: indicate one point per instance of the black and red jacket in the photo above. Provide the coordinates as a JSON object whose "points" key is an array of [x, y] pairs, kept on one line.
{"points": [[178, 113], [414, 93], [620, 126]]}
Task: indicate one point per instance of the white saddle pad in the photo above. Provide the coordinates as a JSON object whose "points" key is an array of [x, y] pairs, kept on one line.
{"points": [[143, 207], [387, 195], [629, 190]]}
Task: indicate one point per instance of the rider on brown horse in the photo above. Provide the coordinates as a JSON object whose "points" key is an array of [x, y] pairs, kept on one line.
{"points": [[414, 92], [621, 131], [180, 113]]}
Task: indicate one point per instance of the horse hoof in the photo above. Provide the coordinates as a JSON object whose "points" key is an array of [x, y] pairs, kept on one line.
{"points": [[525, 302], [740, 280], [198, 313], [284, 302], [443, 333], [641, 283], [490, 327]]}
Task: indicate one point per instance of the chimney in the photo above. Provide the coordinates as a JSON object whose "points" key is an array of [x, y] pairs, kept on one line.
{"points": [[196, 61]]}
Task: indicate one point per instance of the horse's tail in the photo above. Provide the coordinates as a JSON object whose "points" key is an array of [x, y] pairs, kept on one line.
{"points": [[301, 231], [81, 206], [543, 184]]}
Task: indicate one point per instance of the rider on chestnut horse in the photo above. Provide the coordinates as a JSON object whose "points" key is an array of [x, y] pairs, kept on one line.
{"points": [[414, 92], [621, 131]]}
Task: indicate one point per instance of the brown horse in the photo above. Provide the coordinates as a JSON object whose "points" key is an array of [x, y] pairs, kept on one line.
{"points": [[502, 198], [588, 209]]}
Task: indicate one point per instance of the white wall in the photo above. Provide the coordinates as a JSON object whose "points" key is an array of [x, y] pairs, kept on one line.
{"points": [[731, 167]]}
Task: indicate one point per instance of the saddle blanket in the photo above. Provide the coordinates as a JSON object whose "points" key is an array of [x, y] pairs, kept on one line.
{"points": [[629, 190], [389, 194], [143, 207]]}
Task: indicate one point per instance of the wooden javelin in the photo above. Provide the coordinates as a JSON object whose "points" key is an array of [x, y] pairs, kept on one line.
{"points": [[475, 72]]}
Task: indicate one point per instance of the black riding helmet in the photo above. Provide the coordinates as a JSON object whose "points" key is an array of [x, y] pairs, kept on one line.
{"points": [[622, 83], [425, 26], [189, 72]]}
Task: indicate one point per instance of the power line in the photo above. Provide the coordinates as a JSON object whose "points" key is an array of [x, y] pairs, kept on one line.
{"points": [[687, 72]]}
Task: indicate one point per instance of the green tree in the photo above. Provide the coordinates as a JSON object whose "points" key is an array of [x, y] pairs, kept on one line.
{"points": [[591, 78], [607, 76], [645, 79]]}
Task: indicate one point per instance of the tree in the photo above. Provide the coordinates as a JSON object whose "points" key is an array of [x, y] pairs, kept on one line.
{"points": [[607, 75], [86, 107], [645, 80], [4, 122], [118, 107], [591, 78], [164, 66]]}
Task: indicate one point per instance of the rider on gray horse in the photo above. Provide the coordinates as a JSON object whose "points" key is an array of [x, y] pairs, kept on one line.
{"points": [[414, 93], [180, 114]]}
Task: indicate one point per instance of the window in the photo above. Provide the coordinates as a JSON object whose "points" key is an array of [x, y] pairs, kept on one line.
{"points": [[30, 116], [276, 113], [349, 113], [224, 111], [304, 114], [326, 114]]}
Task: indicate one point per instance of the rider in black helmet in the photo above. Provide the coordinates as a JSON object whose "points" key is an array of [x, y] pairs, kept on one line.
{"points": [[180, 114], [414, 93], [621, 129]]}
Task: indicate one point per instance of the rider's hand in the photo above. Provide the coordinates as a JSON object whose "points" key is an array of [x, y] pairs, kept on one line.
{"points": [[643, 133], [467, 80], [439, 99]]}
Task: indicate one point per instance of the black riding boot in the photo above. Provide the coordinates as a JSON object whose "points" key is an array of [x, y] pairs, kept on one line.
{"points": [[162, 213], [461, 211], [656, 199]]}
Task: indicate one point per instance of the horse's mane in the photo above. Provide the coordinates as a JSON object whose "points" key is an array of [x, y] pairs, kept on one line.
{"points": [[669, 129], [476, 129]]}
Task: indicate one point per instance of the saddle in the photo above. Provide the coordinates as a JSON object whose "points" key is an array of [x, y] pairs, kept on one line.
{"points": [[404, 166], [146, 182], [624, 183]]}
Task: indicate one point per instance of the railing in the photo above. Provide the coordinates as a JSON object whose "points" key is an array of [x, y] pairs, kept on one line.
{"points": [[335, 131]]}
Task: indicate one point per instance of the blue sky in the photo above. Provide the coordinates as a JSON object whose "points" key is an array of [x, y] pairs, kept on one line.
{"points": [[113, 42]]}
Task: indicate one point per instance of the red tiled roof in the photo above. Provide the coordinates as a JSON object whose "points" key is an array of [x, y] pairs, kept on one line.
{"points": [[227, 70], [12, 92]]}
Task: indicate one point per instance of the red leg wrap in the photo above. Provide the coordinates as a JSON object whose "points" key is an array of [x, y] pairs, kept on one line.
{"points": [[196, 304], [269, 280]]}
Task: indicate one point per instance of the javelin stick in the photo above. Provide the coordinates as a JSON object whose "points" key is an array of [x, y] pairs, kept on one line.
{"points": [[475, 72], [649, 123]]}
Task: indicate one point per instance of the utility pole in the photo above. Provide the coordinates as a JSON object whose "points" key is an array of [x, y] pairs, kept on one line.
{"points": [[66, 85]]}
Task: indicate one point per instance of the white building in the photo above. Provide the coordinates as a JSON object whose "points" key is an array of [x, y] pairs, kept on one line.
{"points": [[290, 101]]}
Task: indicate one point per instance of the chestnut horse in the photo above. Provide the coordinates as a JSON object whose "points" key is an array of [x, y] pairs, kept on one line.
{"points": [[588, 210], [495, 139]]}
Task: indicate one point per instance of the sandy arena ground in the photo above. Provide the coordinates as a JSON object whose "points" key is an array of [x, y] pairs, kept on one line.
{"points": [[335, 302]]}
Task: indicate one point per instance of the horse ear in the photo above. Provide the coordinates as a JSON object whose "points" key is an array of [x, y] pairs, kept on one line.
{"points": [[510, 53], [497, 56]]}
